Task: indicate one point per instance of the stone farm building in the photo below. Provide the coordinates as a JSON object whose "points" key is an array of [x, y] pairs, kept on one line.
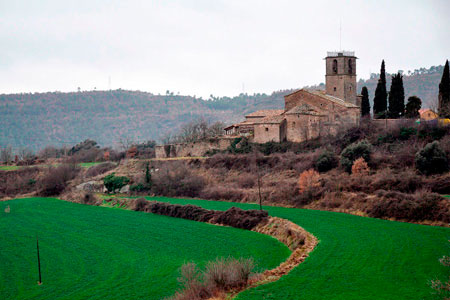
{"points": [[308, 114]]}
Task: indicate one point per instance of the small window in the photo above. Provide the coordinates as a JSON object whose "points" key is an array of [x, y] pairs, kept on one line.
{"points": [[293, 123], [267, 129], [350, 66], [334, 89]]}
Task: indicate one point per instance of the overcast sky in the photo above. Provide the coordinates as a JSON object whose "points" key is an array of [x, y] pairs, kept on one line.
{"points": [[203, 47]]}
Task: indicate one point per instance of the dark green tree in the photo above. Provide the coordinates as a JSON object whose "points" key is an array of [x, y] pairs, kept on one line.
{"points": [[380, 100], [412, 107], [397, 97], [444, 93], [365, 105]]}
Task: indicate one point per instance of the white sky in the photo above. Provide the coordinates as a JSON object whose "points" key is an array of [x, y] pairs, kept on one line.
{"points": [[203, 47]]}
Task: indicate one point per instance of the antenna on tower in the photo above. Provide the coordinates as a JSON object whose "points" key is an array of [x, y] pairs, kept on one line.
{"points": [[340, 35]]}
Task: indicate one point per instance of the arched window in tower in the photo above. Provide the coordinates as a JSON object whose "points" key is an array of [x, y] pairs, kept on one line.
{"points": [[335, 68], [350, 66]]}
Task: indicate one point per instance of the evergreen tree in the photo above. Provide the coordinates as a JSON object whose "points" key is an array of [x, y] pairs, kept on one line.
{"points": [[412, 107], [444, 93], [365, 105], [397, 97], [380, 100]]}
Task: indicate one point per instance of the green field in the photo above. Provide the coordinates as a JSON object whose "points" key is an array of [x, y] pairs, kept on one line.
{"points": [[9, 168], [13, 168], [357, 257], [92, 252], [89, 164]]}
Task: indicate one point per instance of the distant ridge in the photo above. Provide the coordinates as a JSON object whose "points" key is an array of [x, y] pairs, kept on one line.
{"points": [[35, 120]]}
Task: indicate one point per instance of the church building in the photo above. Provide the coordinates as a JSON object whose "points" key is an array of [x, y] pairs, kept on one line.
{"points": [[308, 114]]}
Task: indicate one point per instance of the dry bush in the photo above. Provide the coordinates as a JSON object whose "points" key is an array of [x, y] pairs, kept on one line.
{"points": [[236, 217], [308, 180], [17, 182], [218, 192], [404, 181], [55, 180], [177, 181], [419, 206], [100, 169], [246, 180], [360, 167], [219, 276], [283, 192], [439, 183]]}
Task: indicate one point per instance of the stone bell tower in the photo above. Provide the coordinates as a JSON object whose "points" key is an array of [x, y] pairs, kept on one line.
{"points": [[340, 78]]}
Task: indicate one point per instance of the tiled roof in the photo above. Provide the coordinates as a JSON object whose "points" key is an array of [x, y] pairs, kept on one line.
{"points": [[322, 94], [270, 120], [265, 113], [303, 109]]}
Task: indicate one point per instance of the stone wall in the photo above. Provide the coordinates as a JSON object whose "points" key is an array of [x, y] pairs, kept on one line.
{"points": [[196, 149], [270, 132], [302, 127]]}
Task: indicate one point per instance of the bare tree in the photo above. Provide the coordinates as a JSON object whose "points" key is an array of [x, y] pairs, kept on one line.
{"points": [[6, 155], [26, 154], [198, 130], [126, 143]]}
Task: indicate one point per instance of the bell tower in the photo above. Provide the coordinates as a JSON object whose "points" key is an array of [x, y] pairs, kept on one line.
{"points": [[340, 78]]}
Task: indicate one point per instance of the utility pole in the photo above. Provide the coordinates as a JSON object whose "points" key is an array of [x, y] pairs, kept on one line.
{"points": [[259, 180], [39, 260]]}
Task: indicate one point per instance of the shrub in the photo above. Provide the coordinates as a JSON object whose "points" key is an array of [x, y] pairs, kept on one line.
{"points": [[326, 161], [360, 167], [308, 180], [177, 181], [19, 181], [55, 179], [431, 159], [100, 169], [138, 187], [353, 152], [113, 182], [246, 180], [407, 132], [226, 274], [419, 206], [218, 192], [219, 276]]}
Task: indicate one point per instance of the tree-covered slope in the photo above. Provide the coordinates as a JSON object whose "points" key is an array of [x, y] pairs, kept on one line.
{"points": [[40, 119]]}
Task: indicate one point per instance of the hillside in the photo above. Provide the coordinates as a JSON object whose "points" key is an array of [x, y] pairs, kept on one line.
{"points": [[40, 119]]}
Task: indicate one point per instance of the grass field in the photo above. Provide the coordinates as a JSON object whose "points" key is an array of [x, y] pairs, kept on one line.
{"points": [[12, 168], [357, 258], [9, 168], [92, 252]]}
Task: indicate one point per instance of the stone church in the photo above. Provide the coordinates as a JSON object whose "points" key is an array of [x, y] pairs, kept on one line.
{"points": [[308, 114]]}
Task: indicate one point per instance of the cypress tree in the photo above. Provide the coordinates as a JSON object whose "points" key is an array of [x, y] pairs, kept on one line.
{"points": [[365, 105], [412, 107], [397, 97], [380, 100], [444, 93]]}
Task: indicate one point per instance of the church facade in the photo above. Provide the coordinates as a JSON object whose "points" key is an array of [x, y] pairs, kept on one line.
{"points": [[308, 114]]}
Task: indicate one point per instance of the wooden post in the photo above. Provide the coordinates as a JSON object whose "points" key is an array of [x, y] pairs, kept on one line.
{"points": [[259, 180], [39, 260]]}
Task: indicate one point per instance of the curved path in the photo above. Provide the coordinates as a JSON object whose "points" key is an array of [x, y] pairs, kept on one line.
{"points": [[357, 258]]}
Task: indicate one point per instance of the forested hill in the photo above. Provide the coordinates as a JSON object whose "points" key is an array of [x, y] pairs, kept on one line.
{"points": [[41, 119]]}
